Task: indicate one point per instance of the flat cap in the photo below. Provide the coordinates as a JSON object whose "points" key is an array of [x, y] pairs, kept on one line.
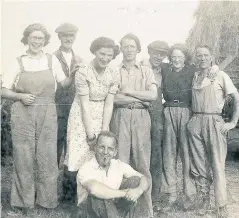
{"points": [[66, 27], [159, 46]]}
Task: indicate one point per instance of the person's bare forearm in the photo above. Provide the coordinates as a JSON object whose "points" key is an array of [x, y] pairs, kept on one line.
{"points": [[108, 110], [11, 95], [121, 99], [143, 95], [102, 191], [235, 114], [143, 185]]}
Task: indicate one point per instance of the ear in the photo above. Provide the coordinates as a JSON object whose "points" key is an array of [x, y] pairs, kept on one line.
{"points": [[115, 153]]}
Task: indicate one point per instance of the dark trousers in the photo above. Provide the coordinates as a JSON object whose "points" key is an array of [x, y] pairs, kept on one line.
{"points": [[99, 208], [69, 185], [61, 137]]}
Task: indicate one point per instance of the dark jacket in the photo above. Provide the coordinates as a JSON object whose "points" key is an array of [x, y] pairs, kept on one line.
{"points": [[65, 96]]}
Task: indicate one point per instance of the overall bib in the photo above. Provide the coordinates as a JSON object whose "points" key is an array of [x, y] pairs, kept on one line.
{"points": [[207, 144], [34, 136]]}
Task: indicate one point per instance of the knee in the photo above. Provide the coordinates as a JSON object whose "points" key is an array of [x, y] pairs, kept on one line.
{"points": [[132, 182]]}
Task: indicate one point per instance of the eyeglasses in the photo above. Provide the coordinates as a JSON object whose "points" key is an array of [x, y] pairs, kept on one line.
{"points": [[35, 38]]}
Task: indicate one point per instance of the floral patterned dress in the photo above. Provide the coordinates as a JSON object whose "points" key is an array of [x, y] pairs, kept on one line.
{"points": [[87, 82]]}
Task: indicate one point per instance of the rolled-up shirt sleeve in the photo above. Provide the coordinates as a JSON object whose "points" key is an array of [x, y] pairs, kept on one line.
{"points": [[228, 85], [150, 79], [9, 78], [81, 83], [57, 71], [114, 87]]}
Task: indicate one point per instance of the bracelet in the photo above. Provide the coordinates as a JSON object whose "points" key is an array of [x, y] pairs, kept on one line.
{"points": [[91, 139]]}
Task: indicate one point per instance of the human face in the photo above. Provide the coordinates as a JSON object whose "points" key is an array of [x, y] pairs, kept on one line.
{"points": [[129, 49], [204, 58], [156, 57], [103, 57], [36, 41], [177, 59], [67, 40], [105, 150]]}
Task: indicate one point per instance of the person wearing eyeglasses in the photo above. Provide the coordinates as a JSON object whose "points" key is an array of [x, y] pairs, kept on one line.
{"points": [[67, 33], [31, 84], [177, 83]]}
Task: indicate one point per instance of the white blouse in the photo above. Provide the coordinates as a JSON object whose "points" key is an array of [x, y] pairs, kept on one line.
{"points": [[11, 77]]}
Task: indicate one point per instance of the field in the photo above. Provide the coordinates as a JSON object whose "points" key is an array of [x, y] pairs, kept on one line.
{"points": [[67, 210]]}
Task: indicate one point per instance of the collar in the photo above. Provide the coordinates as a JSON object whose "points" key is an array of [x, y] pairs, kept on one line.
{"points": [[38, 57], [137, 65], [96, 164]]}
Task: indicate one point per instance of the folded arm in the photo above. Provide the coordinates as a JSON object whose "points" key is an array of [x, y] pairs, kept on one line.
{"points": [[102, 191]]}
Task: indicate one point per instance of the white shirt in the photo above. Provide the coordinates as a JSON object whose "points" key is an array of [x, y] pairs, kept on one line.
{"points": [[68, 58], [113, 178], [11, 77]]}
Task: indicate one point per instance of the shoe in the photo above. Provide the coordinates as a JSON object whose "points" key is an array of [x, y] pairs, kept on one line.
{"points": [[15, 211], [172, 198], [222, 212], [203, 204], [188, 203]]}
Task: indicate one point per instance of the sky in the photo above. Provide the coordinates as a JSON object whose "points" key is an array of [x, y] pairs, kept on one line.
{"points": [[149, 20]]}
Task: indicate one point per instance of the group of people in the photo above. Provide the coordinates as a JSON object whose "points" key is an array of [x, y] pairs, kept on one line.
{"points": [[119, 142]]}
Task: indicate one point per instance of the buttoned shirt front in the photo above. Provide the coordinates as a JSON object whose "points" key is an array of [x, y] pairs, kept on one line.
{"points": [[138, 78]]}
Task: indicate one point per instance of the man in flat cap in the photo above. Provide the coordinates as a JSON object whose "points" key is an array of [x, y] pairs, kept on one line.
{"points": [[158, 51], [64, 97]]}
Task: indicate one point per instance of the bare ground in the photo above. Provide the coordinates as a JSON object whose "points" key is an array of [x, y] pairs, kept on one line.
{"points": [[65, 210]]}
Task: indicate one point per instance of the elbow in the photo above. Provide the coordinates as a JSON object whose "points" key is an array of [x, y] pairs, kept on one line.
{"points": [[154, 96]]}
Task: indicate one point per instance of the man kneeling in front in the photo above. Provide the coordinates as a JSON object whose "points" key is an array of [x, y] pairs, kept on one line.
{"points": [[112, 188]]}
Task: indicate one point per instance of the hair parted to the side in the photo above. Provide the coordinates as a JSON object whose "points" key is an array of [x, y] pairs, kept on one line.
{"points": [[133, 37], [35, 27], [184, 50], [108, 134], [104, 42]]}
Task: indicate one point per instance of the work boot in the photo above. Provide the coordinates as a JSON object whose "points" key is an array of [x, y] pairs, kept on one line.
{"points": [[203, 203], [188, 203], [172, 198], [222, 212]]}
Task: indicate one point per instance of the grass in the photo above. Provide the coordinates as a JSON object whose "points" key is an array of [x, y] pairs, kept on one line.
{"points": [[65, 210]]}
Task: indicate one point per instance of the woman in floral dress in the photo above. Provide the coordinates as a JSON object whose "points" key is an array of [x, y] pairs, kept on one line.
{"points": [[96, 84]]}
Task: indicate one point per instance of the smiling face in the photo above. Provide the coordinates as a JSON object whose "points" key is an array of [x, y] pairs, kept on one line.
{"points": [[103, 57], [156, 57], [105, 150], [177, 59], [67, 40], [36, 41], [129, 49], [204, 58]]}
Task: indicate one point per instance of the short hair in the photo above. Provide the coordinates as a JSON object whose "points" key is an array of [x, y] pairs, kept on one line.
{"points": [[133, 37], [104, 42], [108, 134], [184, 50], [204, 46], [35, 27]]}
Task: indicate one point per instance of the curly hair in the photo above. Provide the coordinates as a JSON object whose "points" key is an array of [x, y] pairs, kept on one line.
{"points": [[184, 50], [104, 42], [133, 37], [35, 27]]}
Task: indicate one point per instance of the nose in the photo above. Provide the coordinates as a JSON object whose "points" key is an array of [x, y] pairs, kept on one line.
{"points": [[105, 151]]}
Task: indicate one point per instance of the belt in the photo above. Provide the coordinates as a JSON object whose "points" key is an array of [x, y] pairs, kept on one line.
{"points": [[132, 106], [205, 113], [176, 103]]}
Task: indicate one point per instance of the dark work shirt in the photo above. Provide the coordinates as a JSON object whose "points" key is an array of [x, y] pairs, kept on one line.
{"points": [[178, 85]]}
